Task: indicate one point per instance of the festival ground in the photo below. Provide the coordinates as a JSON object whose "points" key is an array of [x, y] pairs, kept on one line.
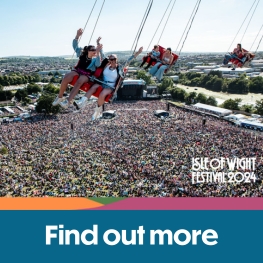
{"points": [[135, 154]]}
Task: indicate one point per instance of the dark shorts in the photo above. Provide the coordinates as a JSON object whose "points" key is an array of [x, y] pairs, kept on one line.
{"points": [[82, 72]]}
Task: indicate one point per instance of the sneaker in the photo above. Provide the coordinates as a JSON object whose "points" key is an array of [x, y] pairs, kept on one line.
{"points": [[64, 104], [81, 103], [233, 69], [97, 113], [57, 101]]}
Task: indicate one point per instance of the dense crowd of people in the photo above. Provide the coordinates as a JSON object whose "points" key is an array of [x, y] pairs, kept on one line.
{"points": [[133, 154]]}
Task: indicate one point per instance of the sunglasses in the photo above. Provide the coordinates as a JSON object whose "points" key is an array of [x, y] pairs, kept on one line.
{"points": [[93, 49], [112, 59]]}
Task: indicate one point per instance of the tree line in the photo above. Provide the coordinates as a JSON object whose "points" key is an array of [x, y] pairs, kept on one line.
{"points": [[180, 94], [177, 93], [214, 81], [17, 79]]}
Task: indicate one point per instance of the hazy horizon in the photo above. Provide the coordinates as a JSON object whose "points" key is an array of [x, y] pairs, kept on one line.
{"points": [[66, 56]]}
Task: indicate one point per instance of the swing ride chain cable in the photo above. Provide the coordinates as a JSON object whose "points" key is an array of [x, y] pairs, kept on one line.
{"points": [[150, 2], [186, 27], [159, 25], [85, 26], [241, 25], [258, 45], [140, 31], [166, 21], [96, 22], [190, 26], [256, 37], [139, 35], [249, 21]]}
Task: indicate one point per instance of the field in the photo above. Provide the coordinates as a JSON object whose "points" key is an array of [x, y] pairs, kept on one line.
{"points": [[249, 98]]}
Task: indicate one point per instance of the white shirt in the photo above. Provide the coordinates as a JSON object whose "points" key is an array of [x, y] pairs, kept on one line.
{"points": [[110, 76]]}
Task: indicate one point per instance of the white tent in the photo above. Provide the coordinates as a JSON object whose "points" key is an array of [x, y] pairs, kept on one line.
{"points": [[213, 109]]}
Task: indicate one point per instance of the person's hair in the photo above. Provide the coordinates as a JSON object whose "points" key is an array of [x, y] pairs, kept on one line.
{"points": [[169, 49], [240, 46], [86, 50], [155, 46]]}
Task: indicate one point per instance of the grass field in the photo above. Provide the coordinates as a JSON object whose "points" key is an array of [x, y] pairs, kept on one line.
{"points": [[249, 98]]}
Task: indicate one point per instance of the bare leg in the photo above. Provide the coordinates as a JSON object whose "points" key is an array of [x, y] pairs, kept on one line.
{"points": [[101, 101], [103, 95], [81, 80], [91, 90], [66, 80]]}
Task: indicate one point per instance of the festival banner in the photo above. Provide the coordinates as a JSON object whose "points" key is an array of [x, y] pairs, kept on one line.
{"points": [[131, 229]]}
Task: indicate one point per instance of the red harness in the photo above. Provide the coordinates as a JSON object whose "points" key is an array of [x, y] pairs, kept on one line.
{"points": [[86, 86]]}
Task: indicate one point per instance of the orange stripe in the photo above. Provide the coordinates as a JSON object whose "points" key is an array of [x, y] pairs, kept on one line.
{"points": [[38, 203]]}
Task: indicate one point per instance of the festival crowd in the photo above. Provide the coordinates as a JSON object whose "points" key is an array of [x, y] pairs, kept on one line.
{"points": [[134, 154]]}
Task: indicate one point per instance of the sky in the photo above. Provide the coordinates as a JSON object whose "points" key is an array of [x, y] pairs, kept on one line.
{"points": [[47, 28]]}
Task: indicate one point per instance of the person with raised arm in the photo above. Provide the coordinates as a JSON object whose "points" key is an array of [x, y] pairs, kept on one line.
{"points": [[85, 67]]}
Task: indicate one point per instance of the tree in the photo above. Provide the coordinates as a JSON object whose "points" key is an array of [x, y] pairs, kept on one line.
{"points": [[26, 101], [3, 150], [239, 85], [216, 73], [225, 85], [21, 94], [45, 80], [178, 94], [33, 88], [256, 85], [36, 77], [1, 87], [166, 84], [192, 75], [247, 108], [190, 97], [259, 107], [213, 82], [53, 80], [211, 101], [5, 81], [201, 97], [217, 84], [6, 95], [195, 82], [142, 75], [45, 103], [50, 88], [57, 73], [232, 104]]}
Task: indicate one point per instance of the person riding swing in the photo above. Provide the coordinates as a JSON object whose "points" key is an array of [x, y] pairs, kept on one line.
{"points": [[112, 76]]}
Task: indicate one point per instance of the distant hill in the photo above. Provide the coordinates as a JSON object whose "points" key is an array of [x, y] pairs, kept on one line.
{"points": [[119, 53]]}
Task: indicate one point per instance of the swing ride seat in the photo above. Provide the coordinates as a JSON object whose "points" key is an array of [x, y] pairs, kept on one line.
{"points": [[86, 86], [162, 50], [239, 63]]}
